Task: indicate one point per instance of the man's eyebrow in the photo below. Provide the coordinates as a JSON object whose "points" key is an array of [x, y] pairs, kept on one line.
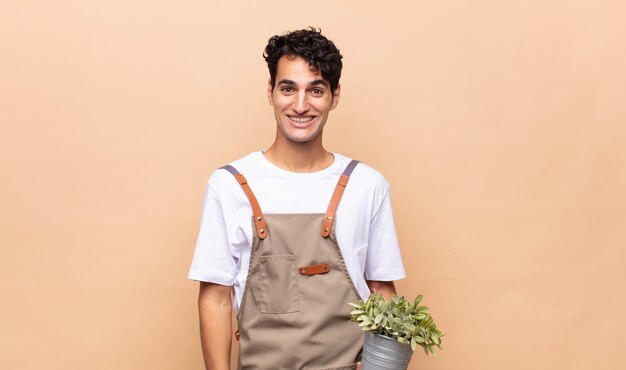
{"points": [[319, 82], [286, 82]]}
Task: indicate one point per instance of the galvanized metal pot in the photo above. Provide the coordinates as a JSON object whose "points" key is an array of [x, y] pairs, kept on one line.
{"points": [[384, 353]]}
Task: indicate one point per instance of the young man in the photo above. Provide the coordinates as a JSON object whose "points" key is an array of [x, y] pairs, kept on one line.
{"points": [[295, 232]]}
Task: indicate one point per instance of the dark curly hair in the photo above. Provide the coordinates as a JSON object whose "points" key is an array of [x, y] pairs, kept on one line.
{"points": [[320, 52]]}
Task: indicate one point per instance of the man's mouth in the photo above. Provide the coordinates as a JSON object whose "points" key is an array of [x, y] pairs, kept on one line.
{"points": [[301, 119]]}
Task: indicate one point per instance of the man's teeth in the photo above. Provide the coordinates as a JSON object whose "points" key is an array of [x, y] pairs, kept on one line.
{"points": [[300, 119]]}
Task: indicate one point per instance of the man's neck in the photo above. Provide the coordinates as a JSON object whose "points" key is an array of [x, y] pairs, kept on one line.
{"points": [[299, 157]]}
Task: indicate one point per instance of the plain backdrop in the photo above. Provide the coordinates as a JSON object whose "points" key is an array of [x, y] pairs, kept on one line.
{"points": [[499, 124]]}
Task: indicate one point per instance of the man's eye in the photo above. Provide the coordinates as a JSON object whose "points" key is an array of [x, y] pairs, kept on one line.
{"points": [[317, 91], [286, 89]]}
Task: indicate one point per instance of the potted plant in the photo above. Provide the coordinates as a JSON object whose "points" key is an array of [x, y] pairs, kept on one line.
{"points": [[395, 327]]}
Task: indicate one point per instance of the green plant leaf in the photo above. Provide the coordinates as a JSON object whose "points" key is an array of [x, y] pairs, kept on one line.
{"points": [[435, 338], [378, 318]]}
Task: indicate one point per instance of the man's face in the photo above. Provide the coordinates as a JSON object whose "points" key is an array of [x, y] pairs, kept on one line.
{"points": [[301, 99]]}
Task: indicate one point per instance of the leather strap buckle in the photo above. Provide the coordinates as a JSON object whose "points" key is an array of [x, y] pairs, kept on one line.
{"points": [[314, 270]]}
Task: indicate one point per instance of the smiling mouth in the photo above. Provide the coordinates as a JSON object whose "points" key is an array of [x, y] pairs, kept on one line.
{"points": [[301, 119]]}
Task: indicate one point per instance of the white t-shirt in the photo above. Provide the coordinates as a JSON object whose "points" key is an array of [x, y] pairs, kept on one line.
{"points": [[364, 224]]}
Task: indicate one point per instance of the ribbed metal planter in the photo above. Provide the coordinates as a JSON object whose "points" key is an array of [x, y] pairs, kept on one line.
{"points": [[384, 353]]}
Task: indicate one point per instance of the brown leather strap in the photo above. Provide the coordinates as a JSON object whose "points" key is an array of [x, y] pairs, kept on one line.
{"points": [[259, 220], [336, 198], [314, 270]]}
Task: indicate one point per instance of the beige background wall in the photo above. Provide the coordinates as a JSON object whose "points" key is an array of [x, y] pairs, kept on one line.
{"points": [[499, 124]]}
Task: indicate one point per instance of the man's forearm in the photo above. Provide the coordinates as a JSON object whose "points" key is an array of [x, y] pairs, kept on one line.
{"points": [[215, 308], [384, 288]]}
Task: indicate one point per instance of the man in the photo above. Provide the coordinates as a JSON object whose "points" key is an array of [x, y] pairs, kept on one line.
{"points": [[295, 232]]}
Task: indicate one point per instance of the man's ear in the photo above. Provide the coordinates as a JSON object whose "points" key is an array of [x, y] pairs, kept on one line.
{"points": [[336, 95], [270, 89]]}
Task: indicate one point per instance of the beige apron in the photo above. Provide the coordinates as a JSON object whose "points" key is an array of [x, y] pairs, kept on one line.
{"points": [[294, 310]]}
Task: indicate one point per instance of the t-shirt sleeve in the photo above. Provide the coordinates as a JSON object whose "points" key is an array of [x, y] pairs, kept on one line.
{"points": [[213, 259], [383, 261]]}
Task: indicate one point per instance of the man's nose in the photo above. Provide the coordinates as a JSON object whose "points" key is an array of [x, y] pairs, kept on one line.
{"points": [[301, 103]]}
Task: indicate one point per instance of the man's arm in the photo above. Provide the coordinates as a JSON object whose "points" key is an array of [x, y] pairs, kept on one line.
{"points": [[215, 307], [384, 288]]}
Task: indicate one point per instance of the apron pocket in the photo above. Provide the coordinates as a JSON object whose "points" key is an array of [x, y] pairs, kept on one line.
{"points": [[279, 284]]}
